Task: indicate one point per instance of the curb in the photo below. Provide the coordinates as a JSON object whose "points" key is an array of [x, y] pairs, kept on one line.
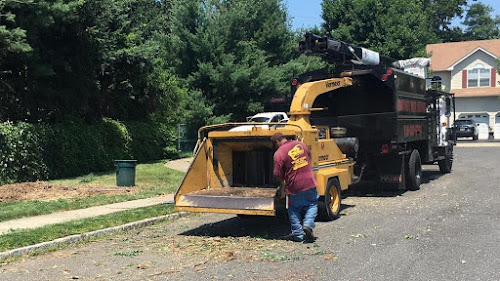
{"points": [[479, 144], [86, 236]]}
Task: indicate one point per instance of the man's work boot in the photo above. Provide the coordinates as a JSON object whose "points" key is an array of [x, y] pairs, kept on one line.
{"points": [[292, 237], [309, 233]]}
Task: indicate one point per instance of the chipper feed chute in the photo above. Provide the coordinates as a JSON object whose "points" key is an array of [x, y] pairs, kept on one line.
{"points": [[230, 175]]}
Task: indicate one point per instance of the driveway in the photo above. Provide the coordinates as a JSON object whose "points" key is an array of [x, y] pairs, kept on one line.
{"points": [[448, 230]]}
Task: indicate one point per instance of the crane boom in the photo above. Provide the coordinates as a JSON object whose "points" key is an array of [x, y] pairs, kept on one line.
{"points": [[332, 50]]}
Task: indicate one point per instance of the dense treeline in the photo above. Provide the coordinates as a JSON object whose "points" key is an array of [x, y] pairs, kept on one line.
{"points": [[195, 59], [132, 59], [152, 64], [147, 64]]}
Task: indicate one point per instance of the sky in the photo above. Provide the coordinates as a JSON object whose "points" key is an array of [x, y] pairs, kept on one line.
{"points": [[307, 13]]}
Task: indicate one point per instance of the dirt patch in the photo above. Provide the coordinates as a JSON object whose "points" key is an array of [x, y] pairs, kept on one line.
{"points": [[46, 191]]}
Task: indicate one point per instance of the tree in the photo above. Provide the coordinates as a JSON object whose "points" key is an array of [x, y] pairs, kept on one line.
{"points": [[12, 38], [396, 28], [231, 52], [479, 23], [54, 77], [133, 76], [12, 42], [440, 14]]}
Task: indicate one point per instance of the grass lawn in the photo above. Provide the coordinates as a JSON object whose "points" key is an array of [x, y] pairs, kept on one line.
{"points": [[152, 174], [153, 178], [21, 238]]}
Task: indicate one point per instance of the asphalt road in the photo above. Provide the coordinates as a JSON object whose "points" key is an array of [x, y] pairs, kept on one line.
{"points": [[448, 230]]}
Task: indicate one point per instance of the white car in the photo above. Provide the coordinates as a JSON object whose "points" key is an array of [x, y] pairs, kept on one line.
{"points": [[264, 117]]}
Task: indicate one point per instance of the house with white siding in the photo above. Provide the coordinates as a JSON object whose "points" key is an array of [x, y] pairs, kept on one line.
{"points": [[468, 69]]}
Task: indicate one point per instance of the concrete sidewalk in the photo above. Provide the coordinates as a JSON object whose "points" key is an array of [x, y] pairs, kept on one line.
{"points": [[181, 165], [60, 217]]}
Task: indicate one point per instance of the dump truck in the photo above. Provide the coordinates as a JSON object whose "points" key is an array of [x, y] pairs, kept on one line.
{"points": [[397, 122], [364, 120]]}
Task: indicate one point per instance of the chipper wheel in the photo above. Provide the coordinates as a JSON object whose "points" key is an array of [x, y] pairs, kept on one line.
{"points": [[329, 209]]}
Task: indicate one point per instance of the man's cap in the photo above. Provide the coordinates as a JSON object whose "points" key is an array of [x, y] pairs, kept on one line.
{"points": [[277, 137]]}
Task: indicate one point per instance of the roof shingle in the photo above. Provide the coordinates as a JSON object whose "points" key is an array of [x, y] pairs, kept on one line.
{"points": [[445, 55]]}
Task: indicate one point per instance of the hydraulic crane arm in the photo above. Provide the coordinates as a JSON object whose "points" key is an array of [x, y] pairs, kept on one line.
{"points": [[332, 50]]}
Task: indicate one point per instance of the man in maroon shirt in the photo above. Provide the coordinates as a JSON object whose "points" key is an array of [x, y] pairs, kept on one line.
{"points": [[292, 163]]}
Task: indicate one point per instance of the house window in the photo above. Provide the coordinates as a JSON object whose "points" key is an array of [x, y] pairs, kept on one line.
{"points": [[478, 77]]}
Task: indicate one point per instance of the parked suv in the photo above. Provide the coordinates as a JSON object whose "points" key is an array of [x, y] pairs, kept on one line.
{"points": [[466, 128]]}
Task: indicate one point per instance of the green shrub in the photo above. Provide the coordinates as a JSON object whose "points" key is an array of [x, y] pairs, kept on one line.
{"points": [[77, 148], [21, 152], [37, 151], [152, 140]]}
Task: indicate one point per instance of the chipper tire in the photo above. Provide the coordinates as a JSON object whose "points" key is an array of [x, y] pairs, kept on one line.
{"points": [[329, 208], [414, 178]]}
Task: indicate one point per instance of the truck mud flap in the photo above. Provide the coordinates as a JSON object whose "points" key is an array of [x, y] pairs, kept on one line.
{"points": [[391, 170], [234, 200]]}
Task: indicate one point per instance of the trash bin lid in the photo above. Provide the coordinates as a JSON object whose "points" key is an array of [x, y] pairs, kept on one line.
{"points": [[125, 163]]}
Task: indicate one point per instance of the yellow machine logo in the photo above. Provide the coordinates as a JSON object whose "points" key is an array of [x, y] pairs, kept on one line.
{"points": [[332, 84], [298, 162]]}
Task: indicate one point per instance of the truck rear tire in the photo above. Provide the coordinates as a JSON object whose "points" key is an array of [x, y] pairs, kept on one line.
{"points": [[446, 163], [330, 208], [414, 171]]}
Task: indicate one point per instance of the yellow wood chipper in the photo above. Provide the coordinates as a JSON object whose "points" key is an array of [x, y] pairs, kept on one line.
{"points": [[232, 170]]}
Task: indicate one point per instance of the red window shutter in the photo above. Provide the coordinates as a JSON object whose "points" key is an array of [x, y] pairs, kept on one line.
{"points": [[493, 77], [464, 78]]}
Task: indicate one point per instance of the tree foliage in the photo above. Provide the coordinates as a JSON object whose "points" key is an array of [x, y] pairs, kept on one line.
{"points": [[90, 58], [12, 38], [231, 52], [402, 28], [479, 23], [148, 64], [440, 14], [395, 28]]}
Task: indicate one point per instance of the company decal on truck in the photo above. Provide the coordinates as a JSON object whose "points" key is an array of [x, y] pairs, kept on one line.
{"points": [[391, 178], [412, 130], [411, 106]]}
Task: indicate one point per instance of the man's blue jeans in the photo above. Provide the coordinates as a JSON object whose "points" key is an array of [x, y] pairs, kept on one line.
{"points": [[306, 201]]}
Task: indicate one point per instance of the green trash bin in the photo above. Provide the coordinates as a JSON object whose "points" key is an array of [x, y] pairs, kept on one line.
{"points": [[125, 172]]}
